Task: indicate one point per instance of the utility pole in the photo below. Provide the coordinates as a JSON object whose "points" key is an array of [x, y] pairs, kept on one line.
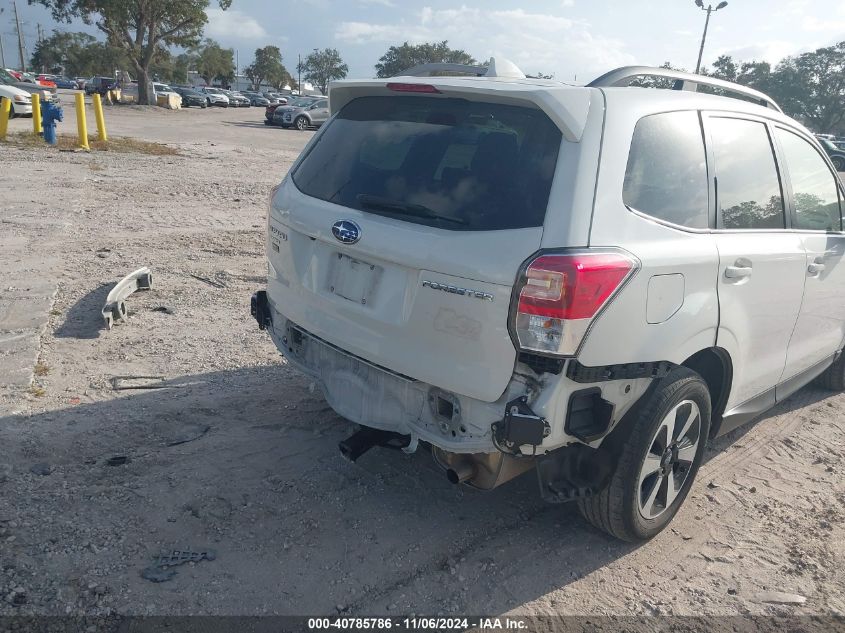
{"points": [[20, 36], [2, 54], [299, 75]]}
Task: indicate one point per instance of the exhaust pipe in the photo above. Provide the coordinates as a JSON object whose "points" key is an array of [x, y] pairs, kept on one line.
{"points": [[461, 472], [365, 438]]}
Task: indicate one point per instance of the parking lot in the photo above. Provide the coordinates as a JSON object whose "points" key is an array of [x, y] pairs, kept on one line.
{"points": [[233, 451]]}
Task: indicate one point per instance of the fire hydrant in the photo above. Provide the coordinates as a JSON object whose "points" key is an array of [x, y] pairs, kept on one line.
{"points": [[50, 113]]}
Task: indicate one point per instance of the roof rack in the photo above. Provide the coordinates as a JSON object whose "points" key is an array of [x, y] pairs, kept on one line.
{"points": [[683, 81]]}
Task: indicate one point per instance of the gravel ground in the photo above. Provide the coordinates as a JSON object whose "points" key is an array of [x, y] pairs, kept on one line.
{"points": [[237, 453]]}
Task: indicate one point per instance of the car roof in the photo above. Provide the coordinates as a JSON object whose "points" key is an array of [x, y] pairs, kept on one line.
{"points": [[566, 104]]}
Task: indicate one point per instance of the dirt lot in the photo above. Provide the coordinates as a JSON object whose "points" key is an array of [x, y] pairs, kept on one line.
{"points": [[238, 453]]}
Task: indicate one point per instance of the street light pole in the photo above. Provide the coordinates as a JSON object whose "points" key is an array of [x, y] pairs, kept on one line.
{"points": [[710, 9]]}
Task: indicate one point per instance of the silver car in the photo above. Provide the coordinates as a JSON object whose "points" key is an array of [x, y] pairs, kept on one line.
{"points": [[302, 117]]}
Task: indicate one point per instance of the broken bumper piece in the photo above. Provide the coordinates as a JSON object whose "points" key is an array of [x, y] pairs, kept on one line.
{"points": [[115, 307]]}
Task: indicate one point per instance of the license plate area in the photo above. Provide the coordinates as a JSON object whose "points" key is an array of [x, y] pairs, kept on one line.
{"points": [[353, 279]]}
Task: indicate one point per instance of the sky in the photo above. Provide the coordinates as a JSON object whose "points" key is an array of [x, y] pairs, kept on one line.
{"points": [[576, 40]]}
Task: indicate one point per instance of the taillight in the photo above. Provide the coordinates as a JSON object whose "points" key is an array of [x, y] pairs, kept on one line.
{"points": [[397, 87], [560, 294]]}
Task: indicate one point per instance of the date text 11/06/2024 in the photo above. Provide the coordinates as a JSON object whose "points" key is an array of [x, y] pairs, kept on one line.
{"points": [[416, 624]]}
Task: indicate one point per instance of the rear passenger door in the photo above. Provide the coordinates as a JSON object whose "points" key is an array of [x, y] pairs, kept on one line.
{"points": [[320, 112], [762, 263], [815, 195]]}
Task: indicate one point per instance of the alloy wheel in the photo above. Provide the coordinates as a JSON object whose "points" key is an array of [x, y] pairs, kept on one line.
{"points": [[669, 460]]}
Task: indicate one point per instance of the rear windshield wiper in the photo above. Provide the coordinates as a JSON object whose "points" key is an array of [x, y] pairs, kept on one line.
{"points": [[378, 203]]}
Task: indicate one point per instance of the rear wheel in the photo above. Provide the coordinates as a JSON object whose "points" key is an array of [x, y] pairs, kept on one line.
{"points": [[658, 458], [838, 162], [301, 123]]}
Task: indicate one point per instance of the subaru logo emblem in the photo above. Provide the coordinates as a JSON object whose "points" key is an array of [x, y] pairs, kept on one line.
{"points": [[346, 231]]}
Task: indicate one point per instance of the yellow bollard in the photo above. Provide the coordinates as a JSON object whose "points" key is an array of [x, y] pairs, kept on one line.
{"points": [[36, 114], [81, 125], [101, 120], [5, 109]]}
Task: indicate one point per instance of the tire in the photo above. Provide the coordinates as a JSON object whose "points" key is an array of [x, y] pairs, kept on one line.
{"points": [[625, 508], [301, 123], [838, 162], [833, 377]]}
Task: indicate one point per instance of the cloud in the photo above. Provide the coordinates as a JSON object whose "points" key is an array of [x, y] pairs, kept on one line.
{"points": [[534, 41], [383, 3], [232, 24], [814, 25], [771, 51]]}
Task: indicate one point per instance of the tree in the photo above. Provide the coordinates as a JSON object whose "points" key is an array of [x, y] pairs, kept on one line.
{"points": [[266, 67], [139, 27], [77, 55], [213, 62], [811, 87], [399, 58], [321, 67], [725, 68]]}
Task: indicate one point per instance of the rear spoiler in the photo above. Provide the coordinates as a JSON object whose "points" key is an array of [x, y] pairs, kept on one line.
{"points": [[566, 106]]}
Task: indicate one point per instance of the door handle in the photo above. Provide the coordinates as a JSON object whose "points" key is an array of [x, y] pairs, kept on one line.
{"points": [[815, 268], [738, 272]]}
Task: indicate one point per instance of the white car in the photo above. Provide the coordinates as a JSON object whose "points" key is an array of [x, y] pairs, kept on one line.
{"points": [[21, 100], [590, 282], [164, 89], [215, 96]]}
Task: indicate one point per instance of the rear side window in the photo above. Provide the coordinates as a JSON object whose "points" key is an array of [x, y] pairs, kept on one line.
{"points": [[666, 176], [450, 163], [813, 186], [747, 184]]}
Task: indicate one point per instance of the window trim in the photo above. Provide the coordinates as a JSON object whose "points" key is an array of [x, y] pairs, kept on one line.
{"points": [[793, 209], [708, 116], [708, 174]]}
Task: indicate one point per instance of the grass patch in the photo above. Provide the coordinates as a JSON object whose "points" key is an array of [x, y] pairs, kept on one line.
{"points": [[41, 369], [38, 392], [69, 142]]}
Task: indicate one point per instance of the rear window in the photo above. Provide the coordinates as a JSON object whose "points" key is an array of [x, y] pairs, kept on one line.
{"points": [[449, 163]]}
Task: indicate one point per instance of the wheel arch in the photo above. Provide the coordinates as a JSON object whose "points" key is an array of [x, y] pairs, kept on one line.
{"points": [[715, 367]]}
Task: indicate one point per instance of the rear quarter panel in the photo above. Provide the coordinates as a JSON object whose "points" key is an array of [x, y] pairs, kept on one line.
{"points": [[622, 332]]}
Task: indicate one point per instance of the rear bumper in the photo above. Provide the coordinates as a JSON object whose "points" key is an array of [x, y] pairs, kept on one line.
{"points": [[376, 397]]}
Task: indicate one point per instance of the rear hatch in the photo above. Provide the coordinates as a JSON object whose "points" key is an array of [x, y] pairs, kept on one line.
{"points": [[399, 234]]}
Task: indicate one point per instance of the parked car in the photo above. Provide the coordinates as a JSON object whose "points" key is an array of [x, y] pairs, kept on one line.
{"points": [[532, 276], [64, 83], [836, 153], [10, 80], [277, 118], [236, 99], [191, 97], [97, 84], [277, 98], [215, 96], [256, 98], [302, 118], [46, 80], [163, 89], [21, 100]]}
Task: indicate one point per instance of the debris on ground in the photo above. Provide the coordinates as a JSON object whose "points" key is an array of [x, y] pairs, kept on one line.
{"points": [[161, 569], [42, 469], [778, 597], [121, 383]]}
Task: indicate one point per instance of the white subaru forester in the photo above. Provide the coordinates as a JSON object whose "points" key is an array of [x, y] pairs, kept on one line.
{"points": [[588, 282]]}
